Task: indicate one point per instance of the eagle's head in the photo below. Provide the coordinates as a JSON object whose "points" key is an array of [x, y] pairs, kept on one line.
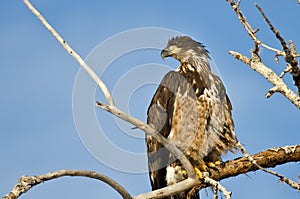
{"points": [[185, 49]]}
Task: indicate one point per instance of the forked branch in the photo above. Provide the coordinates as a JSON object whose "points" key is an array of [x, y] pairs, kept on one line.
{"points": [[289, 54], [270, 75]]}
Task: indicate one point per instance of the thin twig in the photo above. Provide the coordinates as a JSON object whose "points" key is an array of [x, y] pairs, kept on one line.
{"points": [[76, 56], [215, 191], [25, 183], [275, 31], [244, 22], [217, 184], [286, 70], [290, 53]]}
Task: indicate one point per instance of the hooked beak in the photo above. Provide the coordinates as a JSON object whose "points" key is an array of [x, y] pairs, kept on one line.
{"points": [[165, 53]]}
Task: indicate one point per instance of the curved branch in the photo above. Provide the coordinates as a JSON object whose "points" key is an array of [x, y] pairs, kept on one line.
{"points": [[25, 183]]}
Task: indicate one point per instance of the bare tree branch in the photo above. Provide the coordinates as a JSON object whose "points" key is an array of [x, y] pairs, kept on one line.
{"points": [[25, 183], [254, 162], [217, 186], [76, 56], [279, 85], [255, 61], [242, 18], [268, 158], [289, 53]]}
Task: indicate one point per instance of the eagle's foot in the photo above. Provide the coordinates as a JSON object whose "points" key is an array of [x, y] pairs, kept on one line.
{"points": [[213, 165], [203, 168], [198, 172]]}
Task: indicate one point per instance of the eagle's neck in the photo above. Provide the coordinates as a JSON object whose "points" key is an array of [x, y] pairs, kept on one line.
{"points": [[199, 64]]}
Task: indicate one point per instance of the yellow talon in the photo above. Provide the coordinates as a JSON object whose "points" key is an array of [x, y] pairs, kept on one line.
{"points": [[184, 173], [198, 173], [202, 167], [211, 164], [218, 162]]}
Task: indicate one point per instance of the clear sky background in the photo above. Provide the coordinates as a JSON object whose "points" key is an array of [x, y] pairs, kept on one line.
{"points": [[37, 130]]}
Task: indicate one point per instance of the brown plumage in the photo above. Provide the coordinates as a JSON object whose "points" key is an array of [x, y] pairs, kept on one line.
{"points": [[191, 109]]}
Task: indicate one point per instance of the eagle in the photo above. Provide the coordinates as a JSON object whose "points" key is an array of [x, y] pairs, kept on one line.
{"points": [[191, 109]]}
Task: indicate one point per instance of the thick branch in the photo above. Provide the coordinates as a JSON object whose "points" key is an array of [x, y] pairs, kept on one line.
{"points": [[279, 85], [25, 183], [268, 158]]}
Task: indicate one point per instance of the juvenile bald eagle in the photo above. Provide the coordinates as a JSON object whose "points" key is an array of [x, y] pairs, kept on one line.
{"points": [[191, 109]]}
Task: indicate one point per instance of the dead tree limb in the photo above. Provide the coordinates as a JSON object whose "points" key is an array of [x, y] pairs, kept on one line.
{"points": [[268, 158], [279, 85], [25, 183], [72, 52], [289, 54]]}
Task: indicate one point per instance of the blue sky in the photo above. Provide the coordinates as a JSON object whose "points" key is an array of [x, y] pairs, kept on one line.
{"points": [[37, 78]]}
